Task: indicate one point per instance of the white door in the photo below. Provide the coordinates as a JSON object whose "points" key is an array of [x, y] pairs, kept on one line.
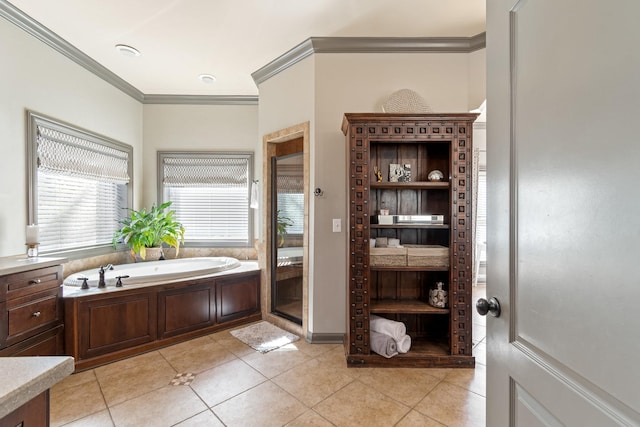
{"points": [[563, 146]]}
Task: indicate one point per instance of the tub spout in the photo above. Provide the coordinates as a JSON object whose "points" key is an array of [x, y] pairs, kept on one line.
{"points": [[101, 282]]}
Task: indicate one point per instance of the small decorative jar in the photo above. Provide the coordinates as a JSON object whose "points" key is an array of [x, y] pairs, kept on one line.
{"points": [[438, 297]]}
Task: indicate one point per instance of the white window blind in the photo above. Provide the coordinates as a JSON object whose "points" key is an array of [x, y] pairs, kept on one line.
{"points": [[210, 194], [481, 228], [79, 184], [291, 202]]}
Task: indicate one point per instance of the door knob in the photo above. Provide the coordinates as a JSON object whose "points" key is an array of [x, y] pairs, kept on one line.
{"points": [[492, 306]]}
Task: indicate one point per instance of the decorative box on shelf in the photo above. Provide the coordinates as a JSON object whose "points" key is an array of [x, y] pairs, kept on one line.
{"points": [[427, 256], [396, 257]]}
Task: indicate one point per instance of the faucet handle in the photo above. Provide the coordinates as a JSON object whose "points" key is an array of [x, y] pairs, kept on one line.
{"points": [[119, 281], [84, 282]]}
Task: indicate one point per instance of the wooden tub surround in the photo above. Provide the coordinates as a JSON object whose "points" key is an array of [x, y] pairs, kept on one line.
{"points": [[103, 325]]}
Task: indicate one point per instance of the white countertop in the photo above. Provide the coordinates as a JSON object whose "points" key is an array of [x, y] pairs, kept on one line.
{"points": [[20, 263], [23, 378]]}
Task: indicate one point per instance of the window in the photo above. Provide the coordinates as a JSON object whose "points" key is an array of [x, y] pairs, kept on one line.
{"points": [[291, 201], [79, 184], [481, 227], [210, 193]]}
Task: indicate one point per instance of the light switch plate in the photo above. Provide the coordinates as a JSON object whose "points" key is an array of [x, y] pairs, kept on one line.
{"points": [[337, 225]]}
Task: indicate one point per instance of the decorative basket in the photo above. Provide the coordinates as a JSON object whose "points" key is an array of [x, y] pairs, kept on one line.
{"points": [[392, 257], [427, 256]]}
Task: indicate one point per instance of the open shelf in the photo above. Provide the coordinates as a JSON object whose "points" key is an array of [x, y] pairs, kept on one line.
{"points": [[423, 354], [412, 225], [405, 306], [406, 268], [416, 185]]}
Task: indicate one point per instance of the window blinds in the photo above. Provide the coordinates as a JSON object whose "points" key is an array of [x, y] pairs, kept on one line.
{"points": [[79, 185], [210, 194], [63, 153]]}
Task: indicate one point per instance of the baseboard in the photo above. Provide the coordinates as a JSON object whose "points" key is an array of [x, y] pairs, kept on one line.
{"points": [[323, 338]]}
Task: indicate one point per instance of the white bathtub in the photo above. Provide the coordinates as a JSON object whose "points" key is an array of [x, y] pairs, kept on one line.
{"points": [[156, 271]]}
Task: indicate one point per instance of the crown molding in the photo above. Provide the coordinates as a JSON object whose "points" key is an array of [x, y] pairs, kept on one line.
{"points": [[201, 99], [51, 39], [298, 53], [368, 45]]}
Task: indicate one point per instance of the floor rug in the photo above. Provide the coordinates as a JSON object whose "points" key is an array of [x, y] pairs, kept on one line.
{"points": [[264, 336]]}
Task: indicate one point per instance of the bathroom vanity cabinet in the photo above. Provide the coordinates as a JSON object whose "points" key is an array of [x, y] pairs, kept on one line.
{"points": [[391, 157], [31, 310], [106, 325]]}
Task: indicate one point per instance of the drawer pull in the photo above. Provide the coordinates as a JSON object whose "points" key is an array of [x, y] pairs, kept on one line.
{"points": [[36, 314], [34, 281]]}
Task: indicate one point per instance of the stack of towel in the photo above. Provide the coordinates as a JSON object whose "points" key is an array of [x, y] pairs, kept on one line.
{"points": [[388, 337]]}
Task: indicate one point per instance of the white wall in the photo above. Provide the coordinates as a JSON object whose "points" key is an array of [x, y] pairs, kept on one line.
{"points": [[33, 76], [354, 83], [196, 128], [477, 78]]}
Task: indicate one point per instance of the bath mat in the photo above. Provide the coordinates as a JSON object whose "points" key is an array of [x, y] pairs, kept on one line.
{"points": [[264, 336]]}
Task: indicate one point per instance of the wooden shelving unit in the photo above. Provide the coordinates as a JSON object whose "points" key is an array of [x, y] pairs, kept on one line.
{"points": [[441, 337]]}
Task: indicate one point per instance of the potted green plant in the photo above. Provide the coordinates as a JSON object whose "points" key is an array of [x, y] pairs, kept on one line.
{"points": [[143, 230], [282, 223]]}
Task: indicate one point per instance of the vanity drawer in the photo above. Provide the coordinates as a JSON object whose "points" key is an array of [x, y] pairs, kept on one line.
{"points": [[33, 315], [29, 282]]}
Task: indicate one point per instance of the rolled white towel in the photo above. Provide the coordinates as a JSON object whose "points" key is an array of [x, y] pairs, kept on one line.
{"points": [[404, 344], [383, 344], [396, 330]]}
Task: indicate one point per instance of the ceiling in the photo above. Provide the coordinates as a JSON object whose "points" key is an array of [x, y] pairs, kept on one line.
{"points": [[230, 39]]}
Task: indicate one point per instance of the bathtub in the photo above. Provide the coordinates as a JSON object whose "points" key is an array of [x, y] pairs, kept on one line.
{"points": [[155, 271]]}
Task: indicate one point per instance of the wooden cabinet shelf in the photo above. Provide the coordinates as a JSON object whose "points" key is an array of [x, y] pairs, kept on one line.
{"points": [[408, 147], [413, 225], [405, 306], [413, 185], [406, 268]]}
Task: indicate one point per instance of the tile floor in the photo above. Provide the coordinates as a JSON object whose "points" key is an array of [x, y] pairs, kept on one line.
{"points": [[300, 384]]}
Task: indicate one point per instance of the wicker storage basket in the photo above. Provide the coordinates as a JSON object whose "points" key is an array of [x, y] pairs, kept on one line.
{"points": [[427, 256], [393, 257]]}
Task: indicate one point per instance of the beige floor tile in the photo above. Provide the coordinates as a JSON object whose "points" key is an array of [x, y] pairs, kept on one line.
{"points": [[232, 344], [314, 350], [75, 379], [264, 405], [309, 419], [76, 402], [186, 346], [275, 362], [454, 406], [201, 356], [358, 404], [311, 381], [474, 380], [163, 407], [131, 362], [337, 361], [226, 381], [416, 419], [406, 385], [203, 419], [480, 353], [478, 333], [99, 419], [136, 380]]}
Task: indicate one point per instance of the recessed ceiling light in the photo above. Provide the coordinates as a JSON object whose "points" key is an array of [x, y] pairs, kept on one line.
{"points": [[127, 50], [207, 78]]}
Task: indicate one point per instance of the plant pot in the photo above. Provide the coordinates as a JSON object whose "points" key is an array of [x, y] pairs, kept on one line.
{"points": [[154, 254]]}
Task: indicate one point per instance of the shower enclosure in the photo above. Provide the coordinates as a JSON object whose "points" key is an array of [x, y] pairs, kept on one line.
{"points": [[287, 181]]}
